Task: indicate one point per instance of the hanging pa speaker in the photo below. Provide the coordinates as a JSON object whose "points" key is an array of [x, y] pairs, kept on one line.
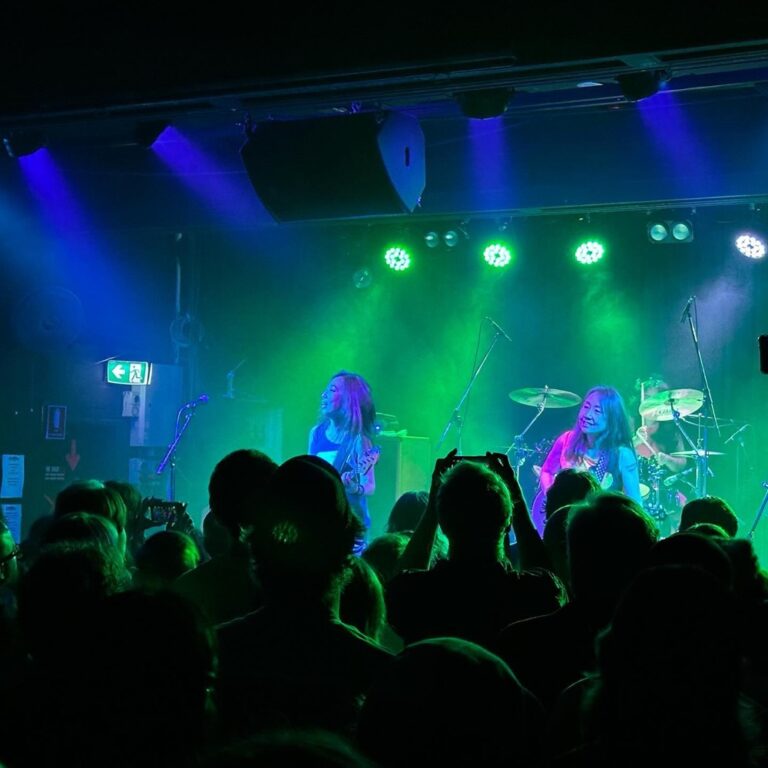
{"points": [[337, 167]]}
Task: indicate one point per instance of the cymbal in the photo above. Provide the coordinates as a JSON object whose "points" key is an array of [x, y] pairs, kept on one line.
{"points": [[659, 407], [701, 452], [544, 396]]}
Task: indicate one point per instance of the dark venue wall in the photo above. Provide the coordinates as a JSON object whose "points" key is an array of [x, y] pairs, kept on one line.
{"points": [[110, 249]]}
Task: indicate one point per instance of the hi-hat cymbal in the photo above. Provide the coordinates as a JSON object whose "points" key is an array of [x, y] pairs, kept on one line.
{"points": [[544, 397], [661, 406], [700, 452]]}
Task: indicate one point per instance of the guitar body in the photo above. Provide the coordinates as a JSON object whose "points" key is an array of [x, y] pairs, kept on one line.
{"points": [[362, 467], [538, 511]]}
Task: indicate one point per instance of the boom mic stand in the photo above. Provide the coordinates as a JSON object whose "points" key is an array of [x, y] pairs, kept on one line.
{"points": [[456, 418], [187, 411], [702, 454]]}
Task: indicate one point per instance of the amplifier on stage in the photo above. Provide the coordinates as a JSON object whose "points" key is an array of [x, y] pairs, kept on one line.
{"points": [[405, 464]]}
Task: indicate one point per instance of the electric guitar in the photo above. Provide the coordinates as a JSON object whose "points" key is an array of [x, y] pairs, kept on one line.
{"points": [[360, 468]]}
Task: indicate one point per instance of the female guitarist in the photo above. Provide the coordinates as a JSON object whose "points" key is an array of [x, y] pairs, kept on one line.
{"points": [[343, 436], [600, 442]]}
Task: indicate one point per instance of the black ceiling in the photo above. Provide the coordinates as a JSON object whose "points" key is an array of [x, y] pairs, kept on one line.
{"points": [[78, 63]]}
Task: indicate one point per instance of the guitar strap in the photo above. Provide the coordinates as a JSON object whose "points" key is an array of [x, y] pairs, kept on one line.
{"points": [[601, 466]]}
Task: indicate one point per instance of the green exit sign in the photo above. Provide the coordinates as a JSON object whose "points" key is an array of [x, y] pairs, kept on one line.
{"points": [[128, 372]]}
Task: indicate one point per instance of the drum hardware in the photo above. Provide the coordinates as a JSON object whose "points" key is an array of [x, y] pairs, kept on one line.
{"points": [[699, 453], [544, 397], [760, 511], [663, 405], [540, 398]]}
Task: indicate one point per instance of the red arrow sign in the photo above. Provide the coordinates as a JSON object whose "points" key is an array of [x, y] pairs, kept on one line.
{"points": [[73, 457]]}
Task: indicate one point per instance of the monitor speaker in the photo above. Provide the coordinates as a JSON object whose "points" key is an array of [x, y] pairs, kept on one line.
{"points": [[337, 167]]}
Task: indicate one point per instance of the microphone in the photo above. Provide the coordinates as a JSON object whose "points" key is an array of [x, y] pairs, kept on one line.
{"points": [[737, 432], [687, 308], [498, 328], [672, 479]]}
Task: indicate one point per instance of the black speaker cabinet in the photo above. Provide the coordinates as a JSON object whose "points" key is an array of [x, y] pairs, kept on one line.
{"points": [[337, 167], [404, 465]]}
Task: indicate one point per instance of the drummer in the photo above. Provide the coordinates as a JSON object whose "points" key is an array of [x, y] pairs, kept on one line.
{"points": [[656, 438]]}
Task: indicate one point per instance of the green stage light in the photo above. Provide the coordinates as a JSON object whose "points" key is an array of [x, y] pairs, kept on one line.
{"points": [[589, 252], [397, 258], [497, 255]]}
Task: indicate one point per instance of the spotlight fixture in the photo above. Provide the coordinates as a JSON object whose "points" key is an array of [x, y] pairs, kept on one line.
{"points": [[497, 255], [751, 245], [589, 252], [19, 144], [484, 103], [362, 278], [432, 239], [668, 231], [451, 238], [636, 86], [397, 258]]}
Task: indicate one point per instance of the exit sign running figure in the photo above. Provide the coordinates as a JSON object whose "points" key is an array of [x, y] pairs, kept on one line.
{"points": [[128, 372]]}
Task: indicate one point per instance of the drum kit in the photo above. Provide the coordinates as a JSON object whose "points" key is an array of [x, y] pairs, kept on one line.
{"points": [[660, 487]]}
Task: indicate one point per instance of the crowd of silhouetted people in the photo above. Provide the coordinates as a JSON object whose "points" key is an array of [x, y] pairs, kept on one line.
{"points": [[459, 637]]}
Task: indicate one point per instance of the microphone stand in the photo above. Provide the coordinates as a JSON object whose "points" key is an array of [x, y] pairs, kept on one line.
{"points": [[702, 454], [517, 440], [456, 418], [188, 411], [759, 514]]}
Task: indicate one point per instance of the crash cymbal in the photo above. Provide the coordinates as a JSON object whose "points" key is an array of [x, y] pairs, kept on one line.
{"points": [[544, 396], [700, 452], [660, 407]]}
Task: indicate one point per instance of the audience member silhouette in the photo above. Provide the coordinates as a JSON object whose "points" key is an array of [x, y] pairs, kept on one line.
{"points": [[447, 701], [226, 586], [95, 497], [163, 558], [362, 599], [58, 595], [294, 663], [145, 693], [609, 538], [11, 648], [297, 748], [475, 592], [667, 693], [710, 509], [83, 527], [569, 486], [384, 553], [407, 511], [134, 518]]}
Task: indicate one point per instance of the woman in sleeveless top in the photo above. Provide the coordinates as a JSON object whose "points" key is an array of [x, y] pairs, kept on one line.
{"points": [[343, 437], [599, 442]]}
